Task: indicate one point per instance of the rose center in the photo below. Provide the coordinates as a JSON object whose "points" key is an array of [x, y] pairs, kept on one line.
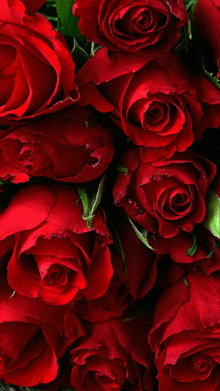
{"points": [[155, 112], [200, 362], [143, 20], [105, 382], [56, 275], [27, 155], [139, 21], [180, 201], [202, 365]]}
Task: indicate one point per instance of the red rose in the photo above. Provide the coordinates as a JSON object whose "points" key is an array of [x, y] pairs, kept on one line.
{"points": [[193, 250], [175, 260], [207, 16], [130, 26], [37, 71], [32, 340], [116, 356], [162, 105], [58, 146], [126, 285], [166, 195], [55, 256], [186, 335]]}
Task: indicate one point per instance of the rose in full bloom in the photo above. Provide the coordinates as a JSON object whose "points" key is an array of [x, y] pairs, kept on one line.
{"points": [[58, 146], [55, 256], [165, 196], [186, 335], [162, 105], [32, 339], [207, 16], [37, 71], [115, 356], [132, 26]]}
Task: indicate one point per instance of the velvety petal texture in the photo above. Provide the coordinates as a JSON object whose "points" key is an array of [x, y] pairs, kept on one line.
{"points": [[125, 286], [58, 146], [55, 256], [206, 253], [145, 26], [163, 106], [165, 196], [33, 54], [186, 336], [115, 356], [32, 340]]}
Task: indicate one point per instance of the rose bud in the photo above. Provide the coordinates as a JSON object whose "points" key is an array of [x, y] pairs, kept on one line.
{"points": [[57, 146], [165, 196], [56, 257], [37, 71]]}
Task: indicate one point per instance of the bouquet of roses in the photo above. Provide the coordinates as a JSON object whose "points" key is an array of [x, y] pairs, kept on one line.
{"points": [[110, 195]]}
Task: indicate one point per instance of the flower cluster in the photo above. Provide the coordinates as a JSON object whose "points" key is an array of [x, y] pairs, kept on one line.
{"points": [[110, 194]]}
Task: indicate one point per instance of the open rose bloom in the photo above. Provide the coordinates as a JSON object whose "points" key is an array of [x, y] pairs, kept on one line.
{"points": [[110, 195], [33, 55], [55, 256], [186, 337]]}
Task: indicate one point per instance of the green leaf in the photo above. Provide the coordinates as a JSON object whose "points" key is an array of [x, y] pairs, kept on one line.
{"points": [[191, 251], [11, 295], [212, 251], [189, 29], [141, 234], [213, 79], [84, 199], [122, 169], [67, 23], [185, 281], [212, 218], [189, 3], [90, 201], [210, 75], [97, 197]]}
